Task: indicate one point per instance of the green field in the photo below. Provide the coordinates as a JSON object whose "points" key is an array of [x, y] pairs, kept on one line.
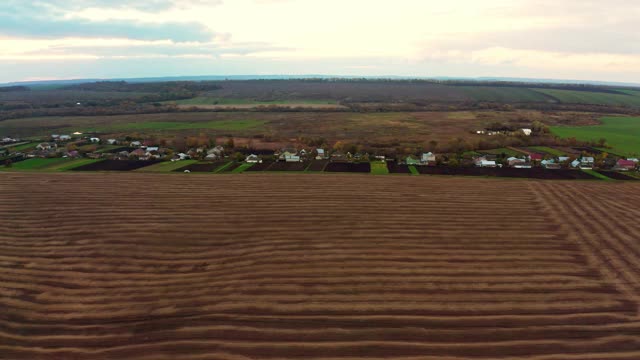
{"points": [[597, 175], [55, 164], [379, 168], [504, 94], [242, 168], [22, 147], [501, 151], [547, 150], [622, 134], [167, 166], [597, 98]]}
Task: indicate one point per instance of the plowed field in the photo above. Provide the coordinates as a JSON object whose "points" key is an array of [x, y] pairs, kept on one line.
{"points": [[121, 266]]}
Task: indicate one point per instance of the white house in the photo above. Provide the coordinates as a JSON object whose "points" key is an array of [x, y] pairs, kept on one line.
{"points": [[486, 163], [253, 159], [64, 137], [292, 158], [575, 163], [152, 148], [112, 141], [135, 143], [94, 140], [46, 146], [587, 162], [321, 154], [563, 158], [428, 158], [527, 132]]}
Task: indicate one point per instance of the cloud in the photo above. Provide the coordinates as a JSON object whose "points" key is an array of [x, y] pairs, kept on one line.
{"points": [[47, 19]]}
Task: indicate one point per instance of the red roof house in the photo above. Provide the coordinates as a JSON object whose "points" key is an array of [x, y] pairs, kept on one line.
{"points": [[626, 164], [536, 157]]}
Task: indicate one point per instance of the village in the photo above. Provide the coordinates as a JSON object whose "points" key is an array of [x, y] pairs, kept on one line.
{"points": [[77, 145]]}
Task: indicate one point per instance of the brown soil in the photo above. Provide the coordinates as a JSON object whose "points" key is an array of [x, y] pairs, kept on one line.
{"points": [[264, 266]]}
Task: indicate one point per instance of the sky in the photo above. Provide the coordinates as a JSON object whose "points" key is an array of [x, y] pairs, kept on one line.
{"points": [[551, 39]]}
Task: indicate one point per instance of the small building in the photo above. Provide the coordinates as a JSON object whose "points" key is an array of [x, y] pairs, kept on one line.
{"points": [[625, 165], [587, 162], [536, 157], [563, 159], [209, 157], [524, 165], [94, 140], [253, 159], [428, 158], [218, 150], [527, 132], [152, 148], [138, 153], [575, 163], [321, 154], [513, 161], [8, 140], [64, 137], [486, 164], [634, 160], [112, 141], [292, 158], [135, 144], [46, 146]]}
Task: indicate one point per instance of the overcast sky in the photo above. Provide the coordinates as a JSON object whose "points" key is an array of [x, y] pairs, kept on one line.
{"points": [[561, 39]]}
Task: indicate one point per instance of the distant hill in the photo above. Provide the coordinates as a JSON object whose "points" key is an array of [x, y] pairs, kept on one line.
{"points": [[53, 83]]}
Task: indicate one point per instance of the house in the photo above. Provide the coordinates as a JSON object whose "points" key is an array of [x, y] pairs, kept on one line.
{"points": [[575, 163], [135, 144], [563, 159], [94, 140], [73, 154], [486, 163], [112, 141], [291, 158], [218, 150], [428, 158], [523, 165], [634, 160], [483, 162], [8, 140], [587, 162], [513, 161], [410, 160], [152, 148], [253, 159], [208, 157], [527, 132], [184, 156], [138, 153], [46, 146], [64, 137], [55, 136], [625, 165], [338, 156], [321, 154], [536, 157], [303, 152]]}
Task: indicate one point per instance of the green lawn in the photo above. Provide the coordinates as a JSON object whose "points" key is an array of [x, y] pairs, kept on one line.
{"points": [[587, 97], [379, 168], [242, 168], [221, 168], [22, 147], [597, 175], [167, 166], [547, 150], [501, 151], [622, 134], [37, 163]]}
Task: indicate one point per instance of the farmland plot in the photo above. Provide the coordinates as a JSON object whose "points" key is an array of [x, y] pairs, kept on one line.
{"points": [[374, 267]]}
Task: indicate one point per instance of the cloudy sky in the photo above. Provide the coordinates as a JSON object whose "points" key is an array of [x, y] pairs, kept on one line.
{"points": [[567, 39]]}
